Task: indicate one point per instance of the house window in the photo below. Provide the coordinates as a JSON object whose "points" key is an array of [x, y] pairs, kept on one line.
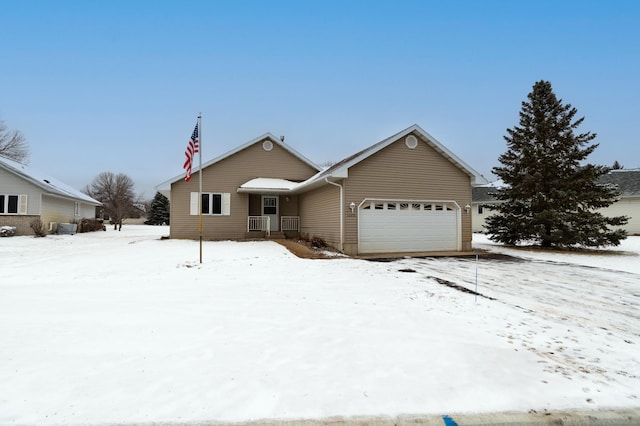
{"points": [[10, 204], [270, 206], [480, 209], [211, 203], [76, 210]]}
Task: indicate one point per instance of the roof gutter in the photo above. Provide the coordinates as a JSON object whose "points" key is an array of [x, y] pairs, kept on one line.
{"points": [[326, 179]]}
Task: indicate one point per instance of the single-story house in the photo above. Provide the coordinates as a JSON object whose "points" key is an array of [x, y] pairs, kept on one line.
{"points": [[626, 181], [407, 193], [27, 194]]}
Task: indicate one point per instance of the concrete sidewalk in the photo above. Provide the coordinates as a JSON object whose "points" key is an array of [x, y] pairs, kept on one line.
{"points": [[622, 417]]}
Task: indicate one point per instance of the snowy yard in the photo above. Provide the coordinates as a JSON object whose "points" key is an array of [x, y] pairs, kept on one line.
{"points": [[125, 327]]}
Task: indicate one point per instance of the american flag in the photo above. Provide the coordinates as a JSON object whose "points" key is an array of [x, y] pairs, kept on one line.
{"points": [[192, 147]]}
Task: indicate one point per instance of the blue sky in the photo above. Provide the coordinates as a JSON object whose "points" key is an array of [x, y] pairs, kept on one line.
{"points": [[117, 85]]}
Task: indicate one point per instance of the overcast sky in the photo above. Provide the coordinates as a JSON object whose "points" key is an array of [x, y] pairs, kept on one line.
{"points": [[117, 85]]}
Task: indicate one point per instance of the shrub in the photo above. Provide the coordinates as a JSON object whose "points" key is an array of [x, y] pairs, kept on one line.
{"points": [[38, 228], [315, 241], [7, 231], [91, 225]]}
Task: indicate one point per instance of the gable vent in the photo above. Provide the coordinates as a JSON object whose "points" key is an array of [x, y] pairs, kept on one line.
{"points": [[411, 142]]}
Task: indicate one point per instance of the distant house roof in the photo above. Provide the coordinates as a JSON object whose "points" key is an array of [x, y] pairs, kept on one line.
{"points": [[626, 181], [483, 193], [48, 184]]}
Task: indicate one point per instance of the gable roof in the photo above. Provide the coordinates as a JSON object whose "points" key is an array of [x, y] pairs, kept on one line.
{"points": [[48, 184], [341, 169], [269, 136]]}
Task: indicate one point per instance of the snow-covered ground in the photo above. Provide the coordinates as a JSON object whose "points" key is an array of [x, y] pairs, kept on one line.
{"points": [[118, 327]]}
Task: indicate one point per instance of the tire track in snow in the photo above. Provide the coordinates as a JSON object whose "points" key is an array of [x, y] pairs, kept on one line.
{"points": [[574, 317]]}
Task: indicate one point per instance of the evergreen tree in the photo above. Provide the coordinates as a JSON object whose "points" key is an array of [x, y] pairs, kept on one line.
{"points": [[550, 197], [617, 166], [159, 211]]}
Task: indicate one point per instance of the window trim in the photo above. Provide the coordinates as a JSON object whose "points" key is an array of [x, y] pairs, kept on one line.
{"points": [[225, 203], [21, 204]]}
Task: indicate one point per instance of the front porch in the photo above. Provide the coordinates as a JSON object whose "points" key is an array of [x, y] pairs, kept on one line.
{"points": [[272, 209], [261, 227]]}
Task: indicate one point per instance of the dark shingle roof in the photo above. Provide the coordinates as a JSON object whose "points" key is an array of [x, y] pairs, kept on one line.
{"points": [[627, 182], [483, 193]]}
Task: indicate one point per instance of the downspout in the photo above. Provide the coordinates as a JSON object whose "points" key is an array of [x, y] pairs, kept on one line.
{"points": [[341, 211]]}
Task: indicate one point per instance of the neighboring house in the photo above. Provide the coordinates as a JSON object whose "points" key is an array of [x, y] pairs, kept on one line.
{"points": [[407, 193], [626, 181], [26, 194], [483, 200], [628, 184]]}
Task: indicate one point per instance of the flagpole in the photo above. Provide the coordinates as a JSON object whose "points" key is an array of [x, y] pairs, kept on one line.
{"points": [[200, 178]]}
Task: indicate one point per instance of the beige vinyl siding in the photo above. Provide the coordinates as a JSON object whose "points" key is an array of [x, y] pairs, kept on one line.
{"points": [[10, 184], [320, 214], [399, 173], [289, 205], [56, 209], [627, 206], [226, 176]]}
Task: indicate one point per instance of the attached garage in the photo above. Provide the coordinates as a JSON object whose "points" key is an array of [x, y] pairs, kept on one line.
{"points": [[396, 226]]}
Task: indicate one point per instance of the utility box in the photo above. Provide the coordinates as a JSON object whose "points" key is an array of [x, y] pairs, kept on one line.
{"points": [[67, 228]]}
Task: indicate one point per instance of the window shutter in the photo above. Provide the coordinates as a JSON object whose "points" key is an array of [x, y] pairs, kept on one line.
{"points": [[226, 204], [194, 203], [22, 204]]}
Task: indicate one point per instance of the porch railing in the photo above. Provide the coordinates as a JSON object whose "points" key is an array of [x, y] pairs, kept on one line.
{"points": [[290, 223], [259, 223]]}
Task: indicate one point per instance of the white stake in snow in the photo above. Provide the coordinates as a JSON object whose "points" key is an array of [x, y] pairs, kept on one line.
{"points": [[476, 274]]}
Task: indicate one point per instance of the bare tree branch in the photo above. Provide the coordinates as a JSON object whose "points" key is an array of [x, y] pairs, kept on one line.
{"points": [[115, 192], [13, 145]]}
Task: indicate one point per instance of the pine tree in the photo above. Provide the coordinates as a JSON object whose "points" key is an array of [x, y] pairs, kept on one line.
{"points": [[159, 211], [551, 195]]}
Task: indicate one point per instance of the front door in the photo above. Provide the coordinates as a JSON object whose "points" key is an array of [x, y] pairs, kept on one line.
{"points": [[270, 208]]}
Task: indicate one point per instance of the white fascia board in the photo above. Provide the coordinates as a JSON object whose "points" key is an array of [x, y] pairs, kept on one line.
{"points": [[264, 136]]}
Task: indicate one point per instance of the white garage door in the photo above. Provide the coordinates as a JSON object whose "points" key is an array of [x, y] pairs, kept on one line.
{"points": [[408, 226]]}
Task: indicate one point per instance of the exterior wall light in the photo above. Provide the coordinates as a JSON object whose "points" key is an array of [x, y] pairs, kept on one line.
{"points": [[352, 206], [467, 208]]}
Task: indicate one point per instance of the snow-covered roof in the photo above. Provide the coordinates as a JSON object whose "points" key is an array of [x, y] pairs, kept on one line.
{"points": [[270, 185], [49, 184]]}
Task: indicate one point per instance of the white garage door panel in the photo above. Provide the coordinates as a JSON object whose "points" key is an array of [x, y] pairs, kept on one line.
{"points": [[396, 230]]}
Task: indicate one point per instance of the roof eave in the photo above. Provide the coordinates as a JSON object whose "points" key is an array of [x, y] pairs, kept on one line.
{"points": [[219, 158]]}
